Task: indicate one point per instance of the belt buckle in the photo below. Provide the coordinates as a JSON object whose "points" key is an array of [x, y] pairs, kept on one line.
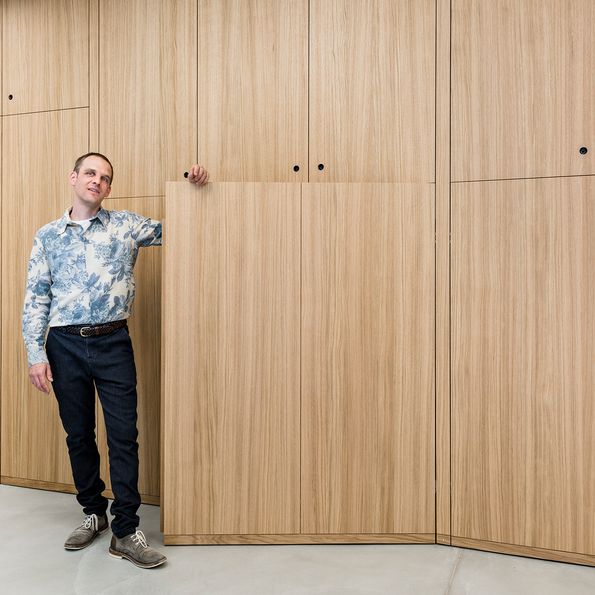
{"points": [[82, 331]]}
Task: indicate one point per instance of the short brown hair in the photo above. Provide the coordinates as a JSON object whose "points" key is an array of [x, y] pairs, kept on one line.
{"points": [[79, 161]]}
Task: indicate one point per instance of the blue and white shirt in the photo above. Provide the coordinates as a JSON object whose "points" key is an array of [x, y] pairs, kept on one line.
{"points": [[81, 276]]}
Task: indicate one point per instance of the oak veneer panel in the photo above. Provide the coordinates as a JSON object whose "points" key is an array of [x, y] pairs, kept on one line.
{"points": [[147, 92], [372, 81], [443, 271], [38, 152], [302, 538], [523, 346], [145, 331], [231, 359], [253, 91], [45, 55], [522, 88], [531, 552], [368, 358]]}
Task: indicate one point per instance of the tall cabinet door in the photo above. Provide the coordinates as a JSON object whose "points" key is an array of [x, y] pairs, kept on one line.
{"points": [[253, 90], [523, 379], [45, 55], [231, 360], [372, 90], [522, 88], [368, 359], [38, 152], [147, 92]]}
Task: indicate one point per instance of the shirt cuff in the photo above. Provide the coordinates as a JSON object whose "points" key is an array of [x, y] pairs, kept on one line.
{"points": [[37, 357]]}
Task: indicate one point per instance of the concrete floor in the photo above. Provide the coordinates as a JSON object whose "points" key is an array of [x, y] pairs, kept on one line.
{"points": [[34, 524]]}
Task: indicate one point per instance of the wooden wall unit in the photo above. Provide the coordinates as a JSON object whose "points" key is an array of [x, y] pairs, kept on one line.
{"points": [[45, 55], [253, 91], [145, 331], [368, 359], [523, 341], [522, 88], [147, 92], [310, 296], [372, 74], [231, 363], [38, 151]]}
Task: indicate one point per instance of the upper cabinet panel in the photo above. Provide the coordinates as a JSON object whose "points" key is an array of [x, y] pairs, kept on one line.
{"points": [[372, 90], [522, 88], [45, 55], [253, 91], [147, 92]]}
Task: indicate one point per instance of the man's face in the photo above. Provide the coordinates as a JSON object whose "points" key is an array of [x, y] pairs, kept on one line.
{"points": [[93, 181]]}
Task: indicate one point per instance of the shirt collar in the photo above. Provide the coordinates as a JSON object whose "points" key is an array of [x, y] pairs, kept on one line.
{"points": [[65, 220]]}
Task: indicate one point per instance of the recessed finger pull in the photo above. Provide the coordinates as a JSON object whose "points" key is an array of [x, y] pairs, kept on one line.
{"points": [[583, 150], [321, 166], [185, 174]]}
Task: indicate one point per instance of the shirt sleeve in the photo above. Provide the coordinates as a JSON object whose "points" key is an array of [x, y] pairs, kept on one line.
{"points": [[145, 231], [38, 298]]}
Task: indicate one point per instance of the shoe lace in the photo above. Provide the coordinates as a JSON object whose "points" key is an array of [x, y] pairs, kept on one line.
{"points": [[90, 522], [140, 539]]}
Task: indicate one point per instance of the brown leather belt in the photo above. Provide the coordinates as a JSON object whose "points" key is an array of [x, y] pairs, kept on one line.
{"points": [[86, 330]]}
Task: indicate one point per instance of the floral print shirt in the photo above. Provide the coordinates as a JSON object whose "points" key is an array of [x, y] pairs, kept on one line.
{"points": [[82, 277]]}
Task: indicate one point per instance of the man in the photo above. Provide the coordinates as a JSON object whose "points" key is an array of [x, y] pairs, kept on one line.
{"points": [[80, 284]]}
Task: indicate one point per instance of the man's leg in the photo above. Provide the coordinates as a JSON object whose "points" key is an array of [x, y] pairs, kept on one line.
{"points": [[114, 371], [75, 392]]}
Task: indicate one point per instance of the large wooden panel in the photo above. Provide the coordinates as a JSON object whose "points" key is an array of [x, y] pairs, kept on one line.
{"points": [[38, 152], [231, 340], [443, 271], [523, 347], [45, 55], [145, 331], [522, 88], [372, 90], [147, 92], [368, 358], [253, 91]]}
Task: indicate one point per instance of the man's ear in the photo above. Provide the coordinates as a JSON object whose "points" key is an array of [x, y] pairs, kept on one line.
{"points": [[108, 191], [72, 178]]}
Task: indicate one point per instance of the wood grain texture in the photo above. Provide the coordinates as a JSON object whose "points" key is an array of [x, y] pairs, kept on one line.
{"points": [[147, 92], [253, 92], [518, 550], [346, 538], [368, 358], [443, 268], [231, 359], [45, 55], [372, 90], [522, 88], [523, 346], [94, 76], [145, 331], [33, 441]]}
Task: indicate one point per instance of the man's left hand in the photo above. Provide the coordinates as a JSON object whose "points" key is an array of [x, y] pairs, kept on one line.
{"points": [[198, 175]]}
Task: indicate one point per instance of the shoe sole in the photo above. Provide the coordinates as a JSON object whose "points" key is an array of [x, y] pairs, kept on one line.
{"points": [[72, 548], [123, 556]]}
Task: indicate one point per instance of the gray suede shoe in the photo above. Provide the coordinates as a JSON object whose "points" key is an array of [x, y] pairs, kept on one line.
{"points": [[84, 535], [135, 548]]}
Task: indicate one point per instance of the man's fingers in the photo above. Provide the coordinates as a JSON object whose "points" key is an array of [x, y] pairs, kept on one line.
{"points": [[39, 375], [198, 175]]}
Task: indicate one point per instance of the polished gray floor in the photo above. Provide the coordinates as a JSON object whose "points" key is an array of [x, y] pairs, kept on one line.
{"points": [[34, 524]]}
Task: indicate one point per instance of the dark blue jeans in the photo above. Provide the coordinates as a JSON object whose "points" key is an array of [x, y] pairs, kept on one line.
{"points": [[79, 365]]}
